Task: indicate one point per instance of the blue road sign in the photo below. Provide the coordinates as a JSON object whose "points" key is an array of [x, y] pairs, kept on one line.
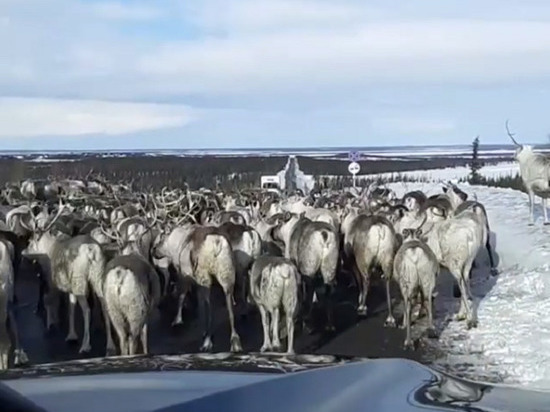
{"points": [[354, 156]]}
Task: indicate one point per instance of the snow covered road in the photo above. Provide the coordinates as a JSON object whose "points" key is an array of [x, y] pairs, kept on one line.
{"points": [[512, 341]]}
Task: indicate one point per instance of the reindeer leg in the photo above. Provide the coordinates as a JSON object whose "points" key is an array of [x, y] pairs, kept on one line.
{"points": [[290, 334], [494, 270], [144, 343], [235, 339], [390, 320], [266, 346], [531, 208], [275, 313], [329, 306], [407, 321], [110, 349], [361, 308], [83, 302], [206, 317], [20, 356], [71, 337]]}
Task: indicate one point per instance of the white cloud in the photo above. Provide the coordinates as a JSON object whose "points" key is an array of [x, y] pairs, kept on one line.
{"points": [[412, 124], [463, 51], [121, 11], [56, 117], [287, 56]]}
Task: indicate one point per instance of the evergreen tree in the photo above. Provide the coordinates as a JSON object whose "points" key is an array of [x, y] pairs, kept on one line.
{"points": [[475, 165]]}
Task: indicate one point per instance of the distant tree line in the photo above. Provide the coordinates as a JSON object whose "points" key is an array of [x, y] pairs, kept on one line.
{"points": [[207, 171]]}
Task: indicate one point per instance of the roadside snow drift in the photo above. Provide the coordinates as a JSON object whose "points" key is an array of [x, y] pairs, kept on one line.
{"points": [[512, 341]]}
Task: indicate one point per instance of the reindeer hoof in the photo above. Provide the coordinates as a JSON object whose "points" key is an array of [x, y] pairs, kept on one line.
{"points": [[362, 311], [265, 348], [459, 317], [432, 333], [408, 345], [177, 322], [277, 347], [20, 357], [206, 345], [236, 344], [546, 223], [471, 324], [71, 337], [290, 352], [531, 224], [390, 322], [85, 348]]}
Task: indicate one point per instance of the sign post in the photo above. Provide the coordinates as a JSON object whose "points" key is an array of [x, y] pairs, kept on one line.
{"points": [[354, 167]]}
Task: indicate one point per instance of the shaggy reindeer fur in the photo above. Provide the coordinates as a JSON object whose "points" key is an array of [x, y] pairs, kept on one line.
{"points": [[314, 248], [455, 242], [461, 204], [247, 246], [274, 285], [415, 268], [535, 173], [7, 294], [203, 253], [70, 265], [131, 291], [374, 242]]}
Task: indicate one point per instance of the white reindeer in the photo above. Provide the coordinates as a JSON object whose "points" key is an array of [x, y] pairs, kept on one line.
{"points": [[274, 283], [415, 268], [535, 173]]}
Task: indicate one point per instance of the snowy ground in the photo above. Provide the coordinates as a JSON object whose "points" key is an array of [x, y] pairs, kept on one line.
{"points": [[512, 341], [503, 169]]}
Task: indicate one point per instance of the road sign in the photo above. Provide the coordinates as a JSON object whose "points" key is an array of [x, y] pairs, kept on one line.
{"points": [[354, 156], [354, 168]]}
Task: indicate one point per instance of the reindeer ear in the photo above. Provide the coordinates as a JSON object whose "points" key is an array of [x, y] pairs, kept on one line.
{"points": [[418, 232]]}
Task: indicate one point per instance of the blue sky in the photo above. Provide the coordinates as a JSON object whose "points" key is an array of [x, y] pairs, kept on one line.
{"points": [[271, 73]]}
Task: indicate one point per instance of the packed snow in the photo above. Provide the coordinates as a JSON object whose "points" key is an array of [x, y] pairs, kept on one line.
{"points": [[499, 170], [512, 340]]}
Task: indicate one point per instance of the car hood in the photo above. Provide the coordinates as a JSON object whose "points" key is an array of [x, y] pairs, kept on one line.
{"points": [[229, 382]]}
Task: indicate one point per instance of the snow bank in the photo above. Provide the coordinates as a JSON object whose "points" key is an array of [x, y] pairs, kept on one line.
{"points": [[498, 170]]}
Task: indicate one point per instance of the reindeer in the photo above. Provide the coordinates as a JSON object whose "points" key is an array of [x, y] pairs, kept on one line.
{"points": [[274, 283], [70, 265], [456, 241], [460, 202], [313, 247], [535, 174], [415, 268], [131, 291], [7, 296], [200, 255], [373, 242]]}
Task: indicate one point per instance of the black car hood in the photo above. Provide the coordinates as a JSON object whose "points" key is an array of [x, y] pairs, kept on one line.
{"points": [[253, 382]]}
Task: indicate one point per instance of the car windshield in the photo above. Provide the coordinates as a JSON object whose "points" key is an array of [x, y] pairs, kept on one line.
{"points": [[278, 180]]}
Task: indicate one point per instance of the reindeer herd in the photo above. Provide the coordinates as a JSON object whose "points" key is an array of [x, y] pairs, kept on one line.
{"points": [[109, 248]]}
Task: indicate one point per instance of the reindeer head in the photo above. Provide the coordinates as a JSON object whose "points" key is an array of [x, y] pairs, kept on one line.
{"points": [[411, 234]]}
